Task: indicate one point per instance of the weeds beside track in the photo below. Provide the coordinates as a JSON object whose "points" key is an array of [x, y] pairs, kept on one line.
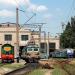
{"points": [[25, 70]]}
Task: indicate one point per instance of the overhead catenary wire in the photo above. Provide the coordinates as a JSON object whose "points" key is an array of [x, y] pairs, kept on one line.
{"points": [[34, 14], [68, 16], [70, 10], [22, 10], [19, 6], [28, 20]]}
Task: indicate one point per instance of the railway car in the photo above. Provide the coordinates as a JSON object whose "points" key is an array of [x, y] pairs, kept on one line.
{"points": [[66, 53], [30, 53], [74, 53], [70, 53], [7, 53], [59, 54]]}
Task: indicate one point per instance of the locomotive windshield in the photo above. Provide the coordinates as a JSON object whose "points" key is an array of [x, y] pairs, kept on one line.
{"points": [[29, 49], [36, 49]]}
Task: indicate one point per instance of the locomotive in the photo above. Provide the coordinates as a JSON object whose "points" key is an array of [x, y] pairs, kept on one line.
{"points": [[30, 53], [7, 53]]}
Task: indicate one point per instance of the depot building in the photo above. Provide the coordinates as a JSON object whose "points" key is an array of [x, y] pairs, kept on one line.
{"points": [[8, 36]]}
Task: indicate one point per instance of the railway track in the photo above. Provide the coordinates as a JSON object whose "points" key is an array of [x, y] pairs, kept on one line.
{"points": [[68, 68], [25, 70], [67, 71]]}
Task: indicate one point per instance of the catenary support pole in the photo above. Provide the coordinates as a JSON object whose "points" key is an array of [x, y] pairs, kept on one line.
{"points": [[17, 34], [48, 44]]}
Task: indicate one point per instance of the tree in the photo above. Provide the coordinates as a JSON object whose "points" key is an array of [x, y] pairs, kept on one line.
{"points": [[67, 38]]}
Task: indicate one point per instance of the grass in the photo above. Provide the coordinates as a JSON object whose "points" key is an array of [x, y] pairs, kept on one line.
{"points": [[59, 71], [38, 72], [68, 69], [13, 66], [2, 64]]}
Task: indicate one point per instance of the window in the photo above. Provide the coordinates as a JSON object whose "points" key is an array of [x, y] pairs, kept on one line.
{"points": [[24, 37], [52, 45], [35, 49], [8, 37], [29, 49], [43, 45]]}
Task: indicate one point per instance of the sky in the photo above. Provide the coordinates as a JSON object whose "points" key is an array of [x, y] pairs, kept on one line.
{"points": [[51, 12]]}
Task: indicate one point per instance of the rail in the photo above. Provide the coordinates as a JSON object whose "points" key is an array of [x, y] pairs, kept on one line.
{"points": [[25, 70]]}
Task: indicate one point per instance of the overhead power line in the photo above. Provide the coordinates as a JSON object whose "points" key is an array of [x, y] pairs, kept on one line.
{"points": [[19, 5], [29, 19], [71, 9]]}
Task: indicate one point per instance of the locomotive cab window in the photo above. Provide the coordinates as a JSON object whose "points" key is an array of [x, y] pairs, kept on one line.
{"points": [[35, 49], [29, 49], [8, 37]]}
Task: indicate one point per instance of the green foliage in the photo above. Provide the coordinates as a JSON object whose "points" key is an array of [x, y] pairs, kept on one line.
{"points": [[67, 38], [37, 72]]}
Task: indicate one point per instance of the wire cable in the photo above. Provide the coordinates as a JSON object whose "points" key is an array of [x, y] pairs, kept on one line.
{"points": [[71, 8]]}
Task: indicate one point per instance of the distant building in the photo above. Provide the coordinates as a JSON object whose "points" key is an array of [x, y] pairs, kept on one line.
{"points": [[8, 35]]}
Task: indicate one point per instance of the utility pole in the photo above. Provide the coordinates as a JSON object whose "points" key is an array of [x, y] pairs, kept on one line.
{"points": [[48, 44], [39, 37], [45, 42], [17, 34]]}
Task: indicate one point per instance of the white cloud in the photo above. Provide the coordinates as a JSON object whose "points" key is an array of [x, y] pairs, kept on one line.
{"points": [[7, 2], [27, 3], [13, 2], [30, 6], [6, 13], [42, 8], [37, 8]]}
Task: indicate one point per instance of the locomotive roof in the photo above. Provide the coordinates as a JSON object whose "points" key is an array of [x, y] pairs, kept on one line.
{"points": [[33, 45]]}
